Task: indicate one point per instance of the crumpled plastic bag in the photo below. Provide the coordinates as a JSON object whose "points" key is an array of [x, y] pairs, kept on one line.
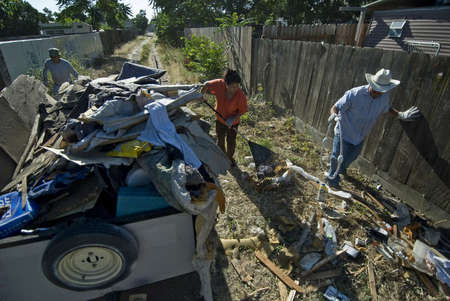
{"points": [[130, 149]]}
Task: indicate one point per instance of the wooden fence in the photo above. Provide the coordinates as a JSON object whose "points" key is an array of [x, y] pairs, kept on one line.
{"points": [[328, 33], [238, 43], [411, 159]]}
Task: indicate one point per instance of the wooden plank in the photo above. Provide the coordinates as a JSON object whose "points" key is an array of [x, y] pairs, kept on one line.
{"points": [[374, 213], [298, 48], [427, 282], [24, 189], [322, 263], [322, 111], [372, 284], [283, 290], [31, 140], [277, 271]]}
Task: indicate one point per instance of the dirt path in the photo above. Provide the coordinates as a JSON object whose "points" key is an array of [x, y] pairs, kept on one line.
{"points": [[135, 54]]}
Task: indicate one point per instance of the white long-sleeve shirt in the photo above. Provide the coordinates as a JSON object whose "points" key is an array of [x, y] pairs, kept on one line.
{"points": [[60, 71]]}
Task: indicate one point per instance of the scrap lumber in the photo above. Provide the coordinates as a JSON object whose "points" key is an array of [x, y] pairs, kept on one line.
{"points": [[367, 207], [372, 284], [291, 295], [251, 242], [278, 272], [35, 148], [24, 189], [31, 140], [380, 204], [427, 282], [322, 263], [283, 290], [255, 292]]}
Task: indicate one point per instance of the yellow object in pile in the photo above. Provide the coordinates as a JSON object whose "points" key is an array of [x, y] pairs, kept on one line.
{"points": [[130, 149]]}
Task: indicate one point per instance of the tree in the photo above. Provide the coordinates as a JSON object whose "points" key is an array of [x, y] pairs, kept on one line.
{"points": [[141, 21], [17, 18], [48, 15], [94, 12]]}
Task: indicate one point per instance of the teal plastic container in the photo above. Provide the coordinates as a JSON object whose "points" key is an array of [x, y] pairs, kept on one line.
{"points": [[133, 200]]}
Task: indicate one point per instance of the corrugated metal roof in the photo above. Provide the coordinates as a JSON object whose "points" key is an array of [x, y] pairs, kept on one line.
{"points": [[423, 24]]}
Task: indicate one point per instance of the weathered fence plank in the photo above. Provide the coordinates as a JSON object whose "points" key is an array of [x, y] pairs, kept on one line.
{"points": [[308, 77]]}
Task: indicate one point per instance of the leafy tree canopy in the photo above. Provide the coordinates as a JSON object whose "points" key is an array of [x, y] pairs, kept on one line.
{"points": [[95, 12], [174, 15], [141, 21], [18, 18]]}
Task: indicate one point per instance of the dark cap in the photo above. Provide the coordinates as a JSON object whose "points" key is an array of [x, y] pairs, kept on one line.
{"points": [[52, 52]]}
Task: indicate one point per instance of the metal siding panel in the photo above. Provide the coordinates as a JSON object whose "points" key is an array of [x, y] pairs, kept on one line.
{"points": [[423, 25]]}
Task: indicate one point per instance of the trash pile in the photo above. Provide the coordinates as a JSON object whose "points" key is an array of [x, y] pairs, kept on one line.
{"points": [[106, 136], [385, 233]]}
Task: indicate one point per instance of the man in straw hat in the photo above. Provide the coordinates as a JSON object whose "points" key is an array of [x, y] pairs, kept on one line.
{"points": [[357, 111], [59, 68]]}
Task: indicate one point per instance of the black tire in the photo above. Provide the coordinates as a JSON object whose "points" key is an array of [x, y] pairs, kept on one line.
{"points": [[76, 258]]}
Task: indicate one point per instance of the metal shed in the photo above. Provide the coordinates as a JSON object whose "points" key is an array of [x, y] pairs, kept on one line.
{"points": [[425, 30]]}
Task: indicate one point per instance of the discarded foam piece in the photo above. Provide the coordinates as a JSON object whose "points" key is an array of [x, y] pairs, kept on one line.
{"points": [[24, 96], [251, 242]]}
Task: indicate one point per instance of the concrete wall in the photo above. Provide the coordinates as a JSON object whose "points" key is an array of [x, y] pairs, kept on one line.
{"points": [[22, 55], [111, 39], [410, 159]]}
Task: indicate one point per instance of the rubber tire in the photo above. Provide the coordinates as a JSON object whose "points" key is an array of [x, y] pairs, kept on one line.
{"points": [[91, 234]]}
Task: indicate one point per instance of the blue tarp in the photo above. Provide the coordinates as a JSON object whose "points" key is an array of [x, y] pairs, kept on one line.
{"points": [[136, 70], [16, 217]]}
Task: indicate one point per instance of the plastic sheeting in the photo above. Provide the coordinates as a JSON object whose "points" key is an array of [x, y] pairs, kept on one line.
{"points": [[160, 131], [130, 70], [169, 178]]}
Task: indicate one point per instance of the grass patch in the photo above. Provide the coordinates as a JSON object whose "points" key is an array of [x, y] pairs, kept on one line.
{"points": [[173, 61], [145, 53], [81, 66]]}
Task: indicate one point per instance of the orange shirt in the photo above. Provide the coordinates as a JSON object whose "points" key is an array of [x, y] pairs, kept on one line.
{"points": [[227, 107]]}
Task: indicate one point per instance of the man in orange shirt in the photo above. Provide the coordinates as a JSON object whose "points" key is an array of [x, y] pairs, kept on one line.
{"points": [[231, 103]]}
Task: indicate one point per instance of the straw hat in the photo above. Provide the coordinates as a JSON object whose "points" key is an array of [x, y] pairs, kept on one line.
{"points": [[382, 81]]}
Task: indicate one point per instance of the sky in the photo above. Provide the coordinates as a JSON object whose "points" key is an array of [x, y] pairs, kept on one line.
{"points": [[136, 6]]}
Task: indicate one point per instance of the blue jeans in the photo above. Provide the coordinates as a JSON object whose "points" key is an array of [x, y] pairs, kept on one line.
{"points": [[350, 153]]}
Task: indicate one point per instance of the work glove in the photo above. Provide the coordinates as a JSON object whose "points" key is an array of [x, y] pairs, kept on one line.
{"points": [[230, 120], [331, 118], [411, 114]]}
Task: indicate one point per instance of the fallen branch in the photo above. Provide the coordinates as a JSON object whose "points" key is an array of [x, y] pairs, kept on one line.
{"points": [[259, 290]]}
